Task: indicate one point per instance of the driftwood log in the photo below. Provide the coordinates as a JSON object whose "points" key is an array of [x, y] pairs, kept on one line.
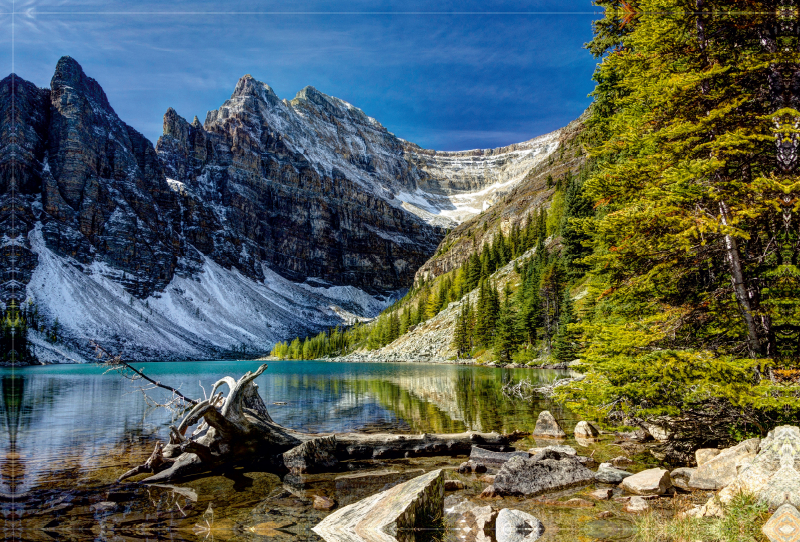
{"points": [[238, 428]]}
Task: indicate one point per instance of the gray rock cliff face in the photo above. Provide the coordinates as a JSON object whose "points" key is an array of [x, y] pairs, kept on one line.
{"points": [[270, 220], [250, 195]]}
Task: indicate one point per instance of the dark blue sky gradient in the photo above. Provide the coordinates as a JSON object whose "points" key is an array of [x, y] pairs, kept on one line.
{"points": [[444, 81]]}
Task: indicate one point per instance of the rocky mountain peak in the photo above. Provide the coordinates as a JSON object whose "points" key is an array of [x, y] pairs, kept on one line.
{"points": [[333, 107], [175, 125], [248, 86], [70, 74]]}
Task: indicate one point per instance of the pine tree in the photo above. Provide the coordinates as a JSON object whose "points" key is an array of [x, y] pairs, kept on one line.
{"points": [[405, 321], [461, 333], [482, 315], [475, 271], [565, 347], [506, 339]]}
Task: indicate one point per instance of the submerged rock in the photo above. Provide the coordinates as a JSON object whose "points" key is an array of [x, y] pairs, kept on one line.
{"points": [[544, 472], [323, 503], [517, 526], [453, 485]]}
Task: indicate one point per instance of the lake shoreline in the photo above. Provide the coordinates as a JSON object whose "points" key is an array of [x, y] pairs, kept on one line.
{"points": [[359, 357]]}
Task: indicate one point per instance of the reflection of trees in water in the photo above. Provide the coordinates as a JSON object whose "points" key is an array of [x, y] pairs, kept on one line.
{"points": [[420, 415], [485, 408], [466, 398]]}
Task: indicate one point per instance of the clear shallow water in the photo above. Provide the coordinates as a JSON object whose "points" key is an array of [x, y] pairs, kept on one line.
{"points": [[71, 429]]}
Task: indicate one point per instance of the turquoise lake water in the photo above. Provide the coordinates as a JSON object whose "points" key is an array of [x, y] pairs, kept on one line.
{"points": [[76, 415]]}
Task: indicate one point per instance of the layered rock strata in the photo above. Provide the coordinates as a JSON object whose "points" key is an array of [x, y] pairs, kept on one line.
{"points": [[271, 219]]}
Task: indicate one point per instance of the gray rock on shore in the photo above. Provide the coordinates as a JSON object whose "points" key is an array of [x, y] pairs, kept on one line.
{"points": [[772, 474], [548, 427], [680, 477], [721, 470], [648, 482], [608, 474]]}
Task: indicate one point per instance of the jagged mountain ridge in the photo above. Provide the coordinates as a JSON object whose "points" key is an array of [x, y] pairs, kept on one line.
{"points": [[272, 219]]}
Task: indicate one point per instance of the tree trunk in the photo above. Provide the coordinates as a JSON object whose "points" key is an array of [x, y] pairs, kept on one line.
{"points": [[239, 429], [739, 288]]}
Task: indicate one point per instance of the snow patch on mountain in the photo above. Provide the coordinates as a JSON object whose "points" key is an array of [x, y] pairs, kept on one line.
{"points": [[337, 138], [211, 313]]}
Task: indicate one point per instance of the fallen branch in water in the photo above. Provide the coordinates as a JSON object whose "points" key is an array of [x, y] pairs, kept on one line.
{"points": [[526, 390], [238, 428], [117, 364]]}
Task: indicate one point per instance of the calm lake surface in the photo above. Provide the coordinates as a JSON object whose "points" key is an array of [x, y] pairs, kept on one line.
{"points": [[70, 430]]}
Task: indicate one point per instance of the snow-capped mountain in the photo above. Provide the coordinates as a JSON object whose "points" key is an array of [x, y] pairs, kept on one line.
{"points": [[271, 219]]}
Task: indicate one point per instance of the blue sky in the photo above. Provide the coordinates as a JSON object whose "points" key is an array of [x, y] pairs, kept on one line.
{"points": [[444, 80]]}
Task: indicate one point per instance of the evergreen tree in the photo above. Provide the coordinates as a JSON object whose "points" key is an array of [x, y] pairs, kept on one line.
{"points": [[506, 339], [474, 277], [461, 333], [482, 315], [405, 321], [565, 347], [694, 268]]}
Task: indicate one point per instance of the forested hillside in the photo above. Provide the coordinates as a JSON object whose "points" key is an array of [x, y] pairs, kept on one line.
{"points": [[535, 215], [666, 259]]}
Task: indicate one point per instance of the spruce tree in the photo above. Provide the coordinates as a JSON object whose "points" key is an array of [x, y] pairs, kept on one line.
{"points": [[506, 339], [565, 347], [461, 332]]}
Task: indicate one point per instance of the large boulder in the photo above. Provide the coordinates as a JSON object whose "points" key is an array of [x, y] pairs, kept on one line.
{"points": [[383, 516], [772, 475], [547, 427], [517, 526], [648, 482], [704, 455], [721, 470], [546, 471], [608, 474]]}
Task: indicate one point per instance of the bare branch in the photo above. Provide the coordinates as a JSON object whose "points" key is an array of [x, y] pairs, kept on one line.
{"points": [[116, 363]]}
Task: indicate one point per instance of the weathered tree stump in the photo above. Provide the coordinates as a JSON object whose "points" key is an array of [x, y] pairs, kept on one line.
{"points": [[238, 428]]}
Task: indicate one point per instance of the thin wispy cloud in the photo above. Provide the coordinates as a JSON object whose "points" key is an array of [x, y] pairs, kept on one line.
{"points": [[489, 78]]}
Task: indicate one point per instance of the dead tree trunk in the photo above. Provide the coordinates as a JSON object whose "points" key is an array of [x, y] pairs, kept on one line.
{"points": [[238, 428]]}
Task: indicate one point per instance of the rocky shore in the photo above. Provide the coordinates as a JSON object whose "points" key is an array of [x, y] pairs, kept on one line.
{"points": [[380, 356], [523, 489]]}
